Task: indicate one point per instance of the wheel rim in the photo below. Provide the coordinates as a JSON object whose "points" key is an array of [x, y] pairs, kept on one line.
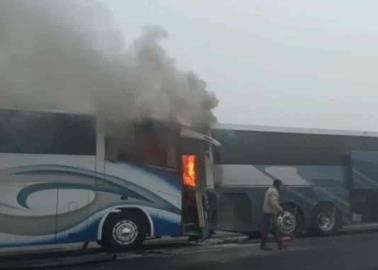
{"points": [[287, 222], [326, 221], [125, 232]]}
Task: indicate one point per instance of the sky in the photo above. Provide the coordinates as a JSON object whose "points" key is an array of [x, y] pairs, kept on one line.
{"points": [[294, 63]]}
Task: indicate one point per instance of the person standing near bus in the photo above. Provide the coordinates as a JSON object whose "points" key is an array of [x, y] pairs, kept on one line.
{"points": [[271, 208]]}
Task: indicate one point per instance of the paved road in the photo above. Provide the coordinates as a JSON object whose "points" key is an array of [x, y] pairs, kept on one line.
{"points": [[348, 251]]}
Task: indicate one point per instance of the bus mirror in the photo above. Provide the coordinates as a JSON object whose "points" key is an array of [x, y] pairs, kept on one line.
{"points": [[190, 172]]}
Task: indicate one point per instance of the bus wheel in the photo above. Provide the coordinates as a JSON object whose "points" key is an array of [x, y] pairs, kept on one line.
{"points": [[325, 219], [291, 221], [123, 231]]}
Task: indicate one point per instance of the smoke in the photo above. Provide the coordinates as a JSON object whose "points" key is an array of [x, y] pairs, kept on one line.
{"points": [[69, 55]]}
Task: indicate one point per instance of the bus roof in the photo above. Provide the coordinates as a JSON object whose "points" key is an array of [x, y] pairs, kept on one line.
{"points": [[315, 131]]}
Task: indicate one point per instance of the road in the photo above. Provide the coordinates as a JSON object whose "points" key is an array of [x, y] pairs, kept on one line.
{"points": [[357, 251]]}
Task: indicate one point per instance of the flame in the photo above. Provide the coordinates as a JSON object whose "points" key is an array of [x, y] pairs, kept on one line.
{"points": [[189, 163]]}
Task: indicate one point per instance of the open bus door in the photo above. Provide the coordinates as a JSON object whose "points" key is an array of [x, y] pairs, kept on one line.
{"points": [[197, 173]]}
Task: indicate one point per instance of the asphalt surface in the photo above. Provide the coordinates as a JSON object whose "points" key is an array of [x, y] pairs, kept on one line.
{"points": [[357, 251]]}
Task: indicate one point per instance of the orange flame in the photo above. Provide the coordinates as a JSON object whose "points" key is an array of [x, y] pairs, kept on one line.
{"points": [[189, 163]]}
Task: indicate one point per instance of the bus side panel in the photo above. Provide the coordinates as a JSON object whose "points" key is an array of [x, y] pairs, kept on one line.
{"points": [[19, 218], [47, 167], [241, 189], [43, 201], [78, 206], [328, 183], [165, 223], [76, 194], [364, 188], [156, 191]]}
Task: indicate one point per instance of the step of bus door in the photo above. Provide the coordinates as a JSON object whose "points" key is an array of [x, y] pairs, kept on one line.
{"points": [[192, 231], [190, 227]]}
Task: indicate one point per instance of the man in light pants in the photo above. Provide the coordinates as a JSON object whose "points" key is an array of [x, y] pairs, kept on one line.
{"points": [[271, 208]]}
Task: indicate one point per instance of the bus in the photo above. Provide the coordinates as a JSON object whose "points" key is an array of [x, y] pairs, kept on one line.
{"points": [[330, 177], [64, 178]]}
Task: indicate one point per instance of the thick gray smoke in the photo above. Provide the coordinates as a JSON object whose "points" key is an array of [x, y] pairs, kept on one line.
{"points": [[69, 55]]}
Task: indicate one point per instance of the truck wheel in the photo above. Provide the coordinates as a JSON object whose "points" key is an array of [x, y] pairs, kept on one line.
{"points": [[325, 219], [123, 232], [291, 221]]}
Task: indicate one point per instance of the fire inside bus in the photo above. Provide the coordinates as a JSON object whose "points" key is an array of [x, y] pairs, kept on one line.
{"points": [[70, 180]]}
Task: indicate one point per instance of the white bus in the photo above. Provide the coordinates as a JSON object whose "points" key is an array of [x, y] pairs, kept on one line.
{"points": [[63, 180]]}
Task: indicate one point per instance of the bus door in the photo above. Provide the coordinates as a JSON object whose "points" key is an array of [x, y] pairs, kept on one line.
{"points": [[196, 174], [364, 186]]}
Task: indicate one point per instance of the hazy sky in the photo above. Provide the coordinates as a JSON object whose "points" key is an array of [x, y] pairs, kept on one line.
{"points": [[285, 63]]}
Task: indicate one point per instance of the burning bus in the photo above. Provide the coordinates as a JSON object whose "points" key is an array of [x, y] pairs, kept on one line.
{"points": [[69, 180]]}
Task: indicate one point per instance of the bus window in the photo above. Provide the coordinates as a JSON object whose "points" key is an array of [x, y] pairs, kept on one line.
{"points": [[46, 133]]}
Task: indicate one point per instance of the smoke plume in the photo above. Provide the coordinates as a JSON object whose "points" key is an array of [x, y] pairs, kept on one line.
{"points": [[69, 55]]}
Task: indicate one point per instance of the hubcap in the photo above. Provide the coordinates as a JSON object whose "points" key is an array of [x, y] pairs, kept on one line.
{"points": [[125, 232], [326, 221], [287, 222]]}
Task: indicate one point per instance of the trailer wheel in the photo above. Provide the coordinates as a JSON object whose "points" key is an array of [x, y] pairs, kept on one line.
{"points": [[123, 231], [291, 221], [325, 219]]}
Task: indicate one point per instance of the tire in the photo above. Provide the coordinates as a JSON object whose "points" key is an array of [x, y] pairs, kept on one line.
{"points": [[291, 221], [124, 231], [325, 220]]}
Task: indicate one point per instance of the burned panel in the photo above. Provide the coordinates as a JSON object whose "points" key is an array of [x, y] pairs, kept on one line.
{"points": [[148, 142]]}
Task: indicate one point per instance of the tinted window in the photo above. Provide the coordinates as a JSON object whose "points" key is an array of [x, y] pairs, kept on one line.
{"points": [[275, 148], [46, 133]]}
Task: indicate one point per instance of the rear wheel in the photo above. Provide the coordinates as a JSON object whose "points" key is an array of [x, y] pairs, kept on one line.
{"points": [[291, 221], [325, 219], [124, 231]]}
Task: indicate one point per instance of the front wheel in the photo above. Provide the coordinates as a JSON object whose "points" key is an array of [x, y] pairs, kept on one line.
{"points": [[123, 232]]}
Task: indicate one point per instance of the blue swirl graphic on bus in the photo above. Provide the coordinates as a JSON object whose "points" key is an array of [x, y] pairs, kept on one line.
{"points": [[108, 192]]}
